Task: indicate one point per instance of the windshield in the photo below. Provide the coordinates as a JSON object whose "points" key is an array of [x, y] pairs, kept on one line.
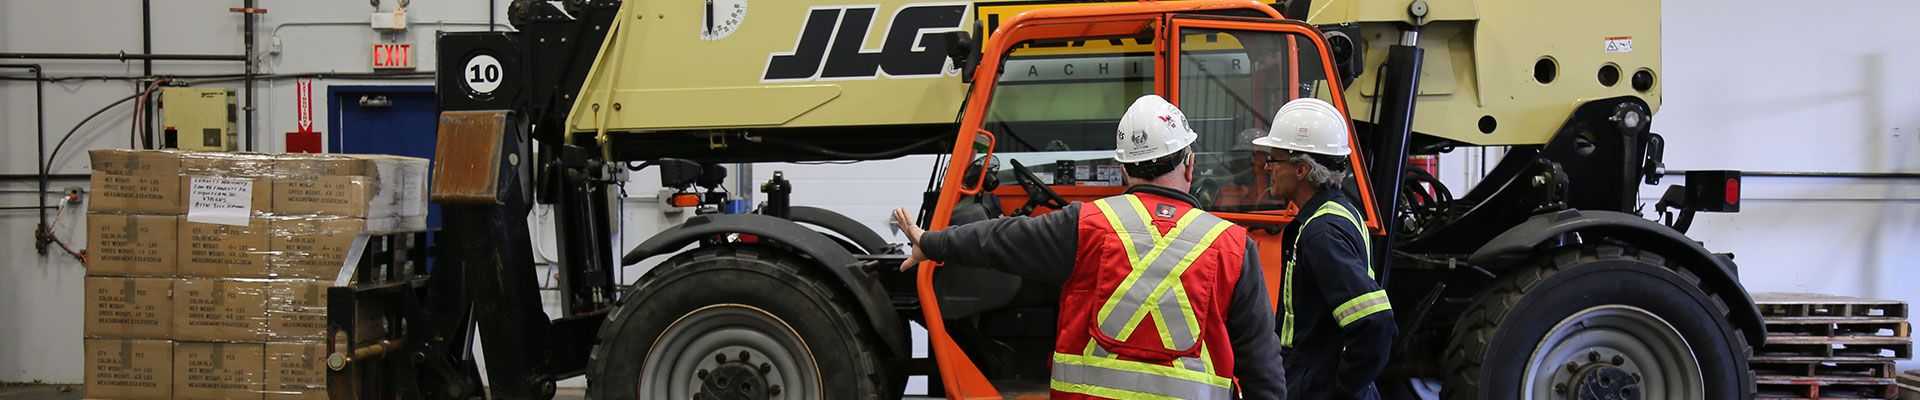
{"points": [[1057, 105], [1230, 83]]}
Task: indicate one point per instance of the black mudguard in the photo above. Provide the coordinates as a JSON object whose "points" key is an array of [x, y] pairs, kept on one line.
{"points": [[864, 285], [865, 238], [1716, 273]]}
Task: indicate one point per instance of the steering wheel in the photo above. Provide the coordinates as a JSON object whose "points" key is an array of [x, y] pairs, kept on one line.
{"points": [[1038, 194]]}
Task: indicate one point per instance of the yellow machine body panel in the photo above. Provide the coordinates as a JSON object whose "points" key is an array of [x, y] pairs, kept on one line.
{"points": [[1495, 72], [1482, 74], [773, 63]]}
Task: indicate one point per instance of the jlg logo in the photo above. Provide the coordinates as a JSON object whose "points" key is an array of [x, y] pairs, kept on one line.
{"points": [[829, 46]]}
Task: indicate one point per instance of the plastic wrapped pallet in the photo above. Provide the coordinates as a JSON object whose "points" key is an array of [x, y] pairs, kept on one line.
{"points": [[297, 309]]}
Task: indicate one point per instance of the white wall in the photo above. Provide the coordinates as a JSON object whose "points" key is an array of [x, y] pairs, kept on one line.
{"points": [[1744, 94]]}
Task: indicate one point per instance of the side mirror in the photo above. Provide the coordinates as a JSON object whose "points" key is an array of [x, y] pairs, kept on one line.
{"points": [[963, 51]]}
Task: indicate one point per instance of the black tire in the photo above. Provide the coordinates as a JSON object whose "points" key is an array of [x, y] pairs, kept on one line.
{"points": [[1499, 332], [838, 342]]}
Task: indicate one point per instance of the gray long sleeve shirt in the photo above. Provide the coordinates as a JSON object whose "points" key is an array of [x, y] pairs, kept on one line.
{"points": [[1044, 248]]}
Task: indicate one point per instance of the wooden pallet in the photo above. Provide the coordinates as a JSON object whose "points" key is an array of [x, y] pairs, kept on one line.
{"points": [[1815, 367], [1779, 388], [1825, 305], [1909, 385], [1834, 327], [1853, 347]]}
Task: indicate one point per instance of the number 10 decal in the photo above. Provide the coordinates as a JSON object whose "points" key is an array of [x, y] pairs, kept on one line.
{"points": [[483, 74]]}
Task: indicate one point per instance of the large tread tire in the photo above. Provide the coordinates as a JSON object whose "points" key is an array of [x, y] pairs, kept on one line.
{"points": [[1500, 330], [845, 349]]}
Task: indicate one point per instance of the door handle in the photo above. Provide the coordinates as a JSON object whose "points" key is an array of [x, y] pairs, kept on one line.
{"points": [[373, 101]]}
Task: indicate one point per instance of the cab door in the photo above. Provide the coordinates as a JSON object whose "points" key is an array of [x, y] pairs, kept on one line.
{"points": [[1230, 75]]}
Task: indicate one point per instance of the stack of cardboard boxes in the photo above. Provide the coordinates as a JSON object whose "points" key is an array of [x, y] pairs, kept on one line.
{"points": [[207, 272]]}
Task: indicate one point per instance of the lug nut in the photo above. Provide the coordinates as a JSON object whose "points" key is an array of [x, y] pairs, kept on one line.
{"points": [[744, 357], [1560, 388], [764, 368], [722, 358], [773, 390], [702, 374], [1593, 356], [1571, 367], [1618, 360]]}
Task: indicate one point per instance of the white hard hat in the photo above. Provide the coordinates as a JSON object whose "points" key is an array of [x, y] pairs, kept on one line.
{"points": [[1152, 128], [1308, 125]]}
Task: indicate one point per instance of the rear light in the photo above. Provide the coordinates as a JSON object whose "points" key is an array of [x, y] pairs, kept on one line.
{"points": [[1733, 191], [685, 200], [1713, 191]]}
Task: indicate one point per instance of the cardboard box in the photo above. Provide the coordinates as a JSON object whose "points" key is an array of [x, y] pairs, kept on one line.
{"points": [[390, 192], [300, 165], [225, 164], [220, 310], [136, 181], [219, 370], [224, 251], [132, 245], [297, 371], [297, 309], [129, 308], [316, 247], [129, 369]]}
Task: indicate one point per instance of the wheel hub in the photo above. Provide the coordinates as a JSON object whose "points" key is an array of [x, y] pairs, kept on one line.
{"points": [[1613, 352], [736, 379], [1605, 382]]}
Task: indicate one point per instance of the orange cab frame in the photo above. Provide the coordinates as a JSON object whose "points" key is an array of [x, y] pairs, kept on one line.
{"points": [[961, 378]]}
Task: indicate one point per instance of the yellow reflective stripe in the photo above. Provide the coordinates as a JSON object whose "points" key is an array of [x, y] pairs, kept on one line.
{"points": [[1102, 392], [1206, 358], [1361, 306], [1118, 228], [1145, 216], [1144, 368], [1365, 239], [1286, 301], [1173, 278], [1139, 268]]}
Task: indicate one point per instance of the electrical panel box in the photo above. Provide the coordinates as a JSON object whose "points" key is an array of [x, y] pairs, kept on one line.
{"points": [[199, 119]]}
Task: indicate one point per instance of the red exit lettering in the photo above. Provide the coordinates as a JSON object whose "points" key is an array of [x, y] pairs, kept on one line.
{"points": [[392, 56]]}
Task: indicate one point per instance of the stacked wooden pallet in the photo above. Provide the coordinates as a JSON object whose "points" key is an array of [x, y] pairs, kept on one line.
{"points": [[1909, 385], [1830, 347]]}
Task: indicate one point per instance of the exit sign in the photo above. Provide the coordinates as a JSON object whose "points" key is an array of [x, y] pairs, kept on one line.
{"points": [[392, 56]]}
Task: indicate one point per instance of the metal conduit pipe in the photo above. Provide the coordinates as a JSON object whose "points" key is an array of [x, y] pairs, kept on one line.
{"points": [[40, 231]]}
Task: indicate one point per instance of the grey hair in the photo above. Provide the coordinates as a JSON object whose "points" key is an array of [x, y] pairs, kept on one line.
{"points": [[1318, 174]]}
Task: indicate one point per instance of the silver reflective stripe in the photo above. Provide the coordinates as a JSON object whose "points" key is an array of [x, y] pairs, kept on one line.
{"points": [[1163, 264], [1377, 298], [1137, 382], [1193, 364], [1129, 217]]}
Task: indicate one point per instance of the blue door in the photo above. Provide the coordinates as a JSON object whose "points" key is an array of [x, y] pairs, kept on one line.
{"points": [[397, 120]]}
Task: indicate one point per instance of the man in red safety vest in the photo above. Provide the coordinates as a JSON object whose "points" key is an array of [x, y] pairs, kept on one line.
{"points": [[1159, 299]]}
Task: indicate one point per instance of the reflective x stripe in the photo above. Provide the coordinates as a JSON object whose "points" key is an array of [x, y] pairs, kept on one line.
{"points": [[1286, 280], [1161, 267], [1361, 306], [1114, 378]]}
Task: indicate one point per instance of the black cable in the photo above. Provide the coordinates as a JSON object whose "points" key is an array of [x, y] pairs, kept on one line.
{"points": [[76, 128]]}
